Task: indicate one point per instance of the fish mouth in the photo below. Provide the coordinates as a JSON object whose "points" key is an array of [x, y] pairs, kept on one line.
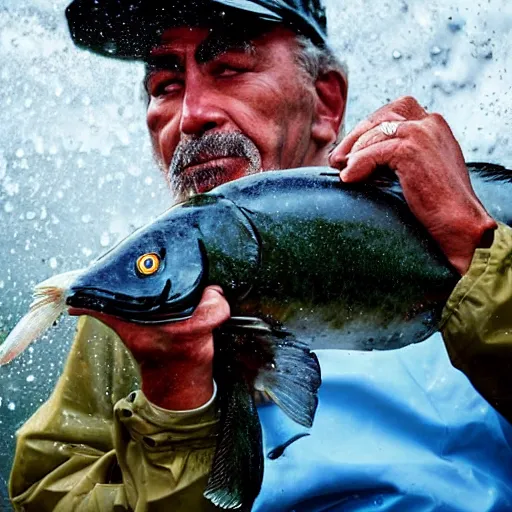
{"points": [[142, 311]]}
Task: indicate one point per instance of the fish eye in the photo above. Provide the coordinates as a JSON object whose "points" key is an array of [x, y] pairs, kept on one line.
{"points": [[148, 264]]}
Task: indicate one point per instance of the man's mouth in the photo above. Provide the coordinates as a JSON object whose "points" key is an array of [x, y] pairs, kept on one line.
{"points": [[198, 165], [209, 162], [203, 176]]}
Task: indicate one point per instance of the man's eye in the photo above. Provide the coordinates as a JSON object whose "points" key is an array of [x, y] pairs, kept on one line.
{"points": [[163, 85], [167, 87], [226, 70]]}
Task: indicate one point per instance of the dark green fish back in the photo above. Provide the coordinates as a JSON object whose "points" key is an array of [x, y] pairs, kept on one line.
{"points": [[341, 266]]}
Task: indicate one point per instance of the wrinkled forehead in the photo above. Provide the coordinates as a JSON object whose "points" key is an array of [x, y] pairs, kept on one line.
{"points": [[205, 42], [211, 36], [208, 43]]}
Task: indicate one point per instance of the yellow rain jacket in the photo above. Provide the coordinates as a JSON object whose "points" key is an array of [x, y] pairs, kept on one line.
{"points": [[477, 322], [98, 446]]}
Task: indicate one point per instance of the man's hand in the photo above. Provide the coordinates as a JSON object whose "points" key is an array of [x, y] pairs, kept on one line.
{"points": [[176, 358], [430, 166]]}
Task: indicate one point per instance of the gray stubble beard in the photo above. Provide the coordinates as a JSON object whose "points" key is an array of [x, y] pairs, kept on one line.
{"points": [[209, 146]]}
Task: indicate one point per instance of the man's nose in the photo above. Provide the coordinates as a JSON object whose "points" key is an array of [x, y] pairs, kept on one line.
{"points": [[202, 110]]}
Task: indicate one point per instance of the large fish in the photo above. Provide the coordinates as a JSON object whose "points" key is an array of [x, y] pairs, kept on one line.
{"points": [[305, 262]]}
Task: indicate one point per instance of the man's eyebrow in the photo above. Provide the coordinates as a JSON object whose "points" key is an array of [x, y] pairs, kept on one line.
{"points": [[213, 46], [217, 44], [164, 60]]}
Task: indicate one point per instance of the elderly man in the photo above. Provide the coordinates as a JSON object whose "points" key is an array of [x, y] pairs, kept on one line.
{"points": [[237, 87]]}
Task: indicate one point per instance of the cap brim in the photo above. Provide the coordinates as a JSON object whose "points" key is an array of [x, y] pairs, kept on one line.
{"points": [[129, 29]]}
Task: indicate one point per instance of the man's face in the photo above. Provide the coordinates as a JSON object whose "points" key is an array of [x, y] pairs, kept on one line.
{"points": [[222, 107]]}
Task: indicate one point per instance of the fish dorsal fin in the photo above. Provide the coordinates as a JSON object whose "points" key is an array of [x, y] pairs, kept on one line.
{"points": [[490, 172]]}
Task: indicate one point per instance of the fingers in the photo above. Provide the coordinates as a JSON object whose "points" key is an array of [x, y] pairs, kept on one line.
{"points": [[374, 136], [212, 311], [362, 163], [401, 110], [345, 147]]}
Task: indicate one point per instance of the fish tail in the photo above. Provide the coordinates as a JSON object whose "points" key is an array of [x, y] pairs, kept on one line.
{"points": [[30, 327], [48, 305]]}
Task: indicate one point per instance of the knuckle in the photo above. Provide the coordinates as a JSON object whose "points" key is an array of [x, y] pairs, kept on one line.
{"points": [[408, 101], [367, 139], [416, 129], [407, 150], [437, 119], [409, 107]]}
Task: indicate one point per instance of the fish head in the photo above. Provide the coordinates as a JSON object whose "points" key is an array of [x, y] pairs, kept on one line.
{"points": [[156, 275]]}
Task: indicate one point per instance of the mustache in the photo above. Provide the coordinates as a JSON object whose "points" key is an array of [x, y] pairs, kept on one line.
{"points": [[197, 150]]}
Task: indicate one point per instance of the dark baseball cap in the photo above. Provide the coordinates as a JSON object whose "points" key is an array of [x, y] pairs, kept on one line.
{"points": [[129, 28]]}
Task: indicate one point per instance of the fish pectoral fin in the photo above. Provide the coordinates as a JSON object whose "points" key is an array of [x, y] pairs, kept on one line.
{"points": [[277, 364], [252, 355], [292, 381]]}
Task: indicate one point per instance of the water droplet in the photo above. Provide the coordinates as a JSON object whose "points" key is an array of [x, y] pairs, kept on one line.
{"points": [[53, 263], [148, 180], [105, 239], [8, 207], [455, 24], [86, 218], [435, 50], [86, 252], [379, 500], [58, 91], [31, 378], [3, 166], [397, 55], [11, 406], [38, 145], [110, 47], [133, 170], [30, 215], [20, 153]]}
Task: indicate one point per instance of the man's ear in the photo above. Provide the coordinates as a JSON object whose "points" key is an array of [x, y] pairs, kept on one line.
{"points": [[331, 100]]}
